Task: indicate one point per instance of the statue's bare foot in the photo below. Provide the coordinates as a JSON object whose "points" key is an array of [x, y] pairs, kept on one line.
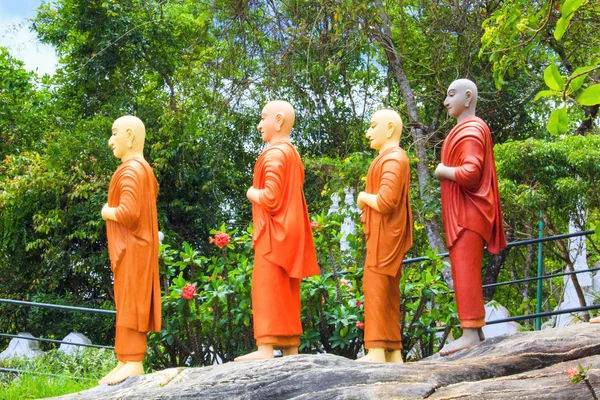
{"points": [[375, 354], [120, 364], [289, 351], [131, 368], [595, 320], [264, 352], [470, 338], [394, 356]]}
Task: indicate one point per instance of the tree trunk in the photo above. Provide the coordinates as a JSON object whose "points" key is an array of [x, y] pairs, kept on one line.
{"points": [[383, 36]]}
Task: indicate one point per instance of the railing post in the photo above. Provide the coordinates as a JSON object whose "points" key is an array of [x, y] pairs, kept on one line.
{"points": [[538, 307]]}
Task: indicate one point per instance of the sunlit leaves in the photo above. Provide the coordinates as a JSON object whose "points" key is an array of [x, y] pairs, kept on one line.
{"points": [[590, 96], [558, 122], [553, 78]]}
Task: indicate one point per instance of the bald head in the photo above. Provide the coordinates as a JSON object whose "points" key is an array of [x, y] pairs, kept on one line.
{"points": [[128, 136], [461, 99], [385, 129], [277, 121]]}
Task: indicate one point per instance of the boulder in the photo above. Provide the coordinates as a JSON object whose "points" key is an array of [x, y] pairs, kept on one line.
{"points": [[525, 365], [74, 337], [23, 348]]}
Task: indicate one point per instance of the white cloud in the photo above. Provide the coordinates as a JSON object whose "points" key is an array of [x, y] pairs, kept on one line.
{"points": [[24, 45]]}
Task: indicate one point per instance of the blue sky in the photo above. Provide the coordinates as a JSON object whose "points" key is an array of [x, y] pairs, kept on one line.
{"points": [[20, 41]]}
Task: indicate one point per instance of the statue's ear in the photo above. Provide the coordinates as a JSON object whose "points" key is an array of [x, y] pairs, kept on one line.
{"points": [[130, 137], [469, 97], [391, 127], [279, 118]]}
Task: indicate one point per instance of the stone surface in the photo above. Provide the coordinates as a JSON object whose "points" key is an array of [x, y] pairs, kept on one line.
{"points": [[527, 365], [74, 337], [23, 348]]}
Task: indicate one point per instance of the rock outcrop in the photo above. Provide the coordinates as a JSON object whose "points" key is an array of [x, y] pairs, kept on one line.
{"points": [[527, 365]]}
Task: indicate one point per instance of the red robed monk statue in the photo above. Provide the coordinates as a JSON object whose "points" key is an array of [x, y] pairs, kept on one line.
{"points": [[387, 223], [284, 251], [471, 209], [132, 231]]}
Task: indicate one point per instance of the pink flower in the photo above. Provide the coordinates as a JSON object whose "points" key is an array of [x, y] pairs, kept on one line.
{"points": [[572, 372], [358, 303], [322, 299], [360, 325], [221, 239], [188, 291], [314, 225]]}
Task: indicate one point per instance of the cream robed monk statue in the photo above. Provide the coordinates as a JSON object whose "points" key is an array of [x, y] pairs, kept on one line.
{"points": [[132, 230], [471, 209], [284, 251], [387, 223]]}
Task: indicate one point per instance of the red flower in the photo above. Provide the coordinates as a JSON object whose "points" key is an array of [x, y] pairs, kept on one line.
{"points": [[350, 268], [188, 291], [209, 278], [209, 308], [572, 372], [219, 277], [314, 225], [358, 303], [221, 239], [360, 325], [322, 299]]}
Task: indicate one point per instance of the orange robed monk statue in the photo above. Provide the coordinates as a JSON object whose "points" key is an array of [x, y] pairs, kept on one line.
{"points": [[470, 207], [387, 223], [132, 230], [284, 251]]}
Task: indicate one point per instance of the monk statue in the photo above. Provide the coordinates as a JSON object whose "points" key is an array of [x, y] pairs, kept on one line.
{"points": [[387, 223], [471, 209], [284, 251], [132, 231]]}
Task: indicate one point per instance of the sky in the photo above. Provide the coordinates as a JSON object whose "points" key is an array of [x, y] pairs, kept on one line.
{"points": [[20, 41]]}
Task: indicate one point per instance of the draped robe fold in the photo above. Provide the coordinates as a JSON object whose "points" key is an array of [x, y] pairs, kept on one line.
{"points": [[283, 246], [133, 250], [471, 203], [389, 236]]}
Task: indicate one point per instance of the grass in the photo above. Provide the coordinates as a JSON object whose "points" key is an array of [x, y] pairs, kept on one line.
{"points": [[54, 373]]}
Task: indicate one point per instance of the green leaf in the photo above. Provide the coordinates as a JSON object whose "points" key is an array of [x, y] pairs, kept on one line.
{"points": [[559, 122], [577, 82], [590, 96], [553, 78], [545, 93], [561, 27], [569, 7]]}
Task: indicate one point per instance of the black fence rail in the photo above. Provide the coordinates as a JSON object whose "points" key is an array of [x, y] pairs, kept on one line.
{"points": [[405, 262]]}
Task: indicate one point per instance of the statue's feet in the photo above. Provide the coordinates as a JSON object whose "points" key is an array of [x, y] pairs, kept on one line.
{"points": [[393, 356], [595, 320], [264, 352], [131, 368], [120, 365], [375, 354], [289, 351], [470, 338]]}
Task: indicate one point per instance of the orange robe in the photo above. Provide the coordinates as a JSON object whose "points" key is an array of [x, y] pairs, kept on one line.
{"points": [[471, 213], [133, 249], [389, 236], [283, 246]]}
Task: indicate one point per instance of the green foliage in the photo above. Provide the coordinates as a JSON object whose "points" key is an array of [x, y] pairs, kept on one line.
{"points": [[54, 373]]}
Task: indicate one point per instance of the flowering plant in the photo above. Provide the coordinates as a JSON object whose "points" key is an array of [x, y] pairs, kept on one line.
{"points": [[578, 374], [188, 291]]}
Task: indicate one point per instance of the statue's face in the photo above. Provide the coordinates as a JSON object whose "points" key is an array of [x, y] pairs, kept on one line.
{"points": [[268, 124], [377, 132], [118, 142], [457, 100]]}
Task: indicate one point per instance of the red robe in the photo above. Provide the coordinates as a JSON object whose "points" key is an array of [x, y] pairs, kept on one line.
{"points": [[472, 201], [471, 213], [283, 245], [389, 236], [133, 246]]}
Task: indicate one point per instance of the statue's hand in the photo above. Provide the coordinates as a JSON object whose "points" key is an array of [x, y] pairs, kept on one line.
{"points": [[439, 172], [253, 194], [360, 200], [105, 212]]}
